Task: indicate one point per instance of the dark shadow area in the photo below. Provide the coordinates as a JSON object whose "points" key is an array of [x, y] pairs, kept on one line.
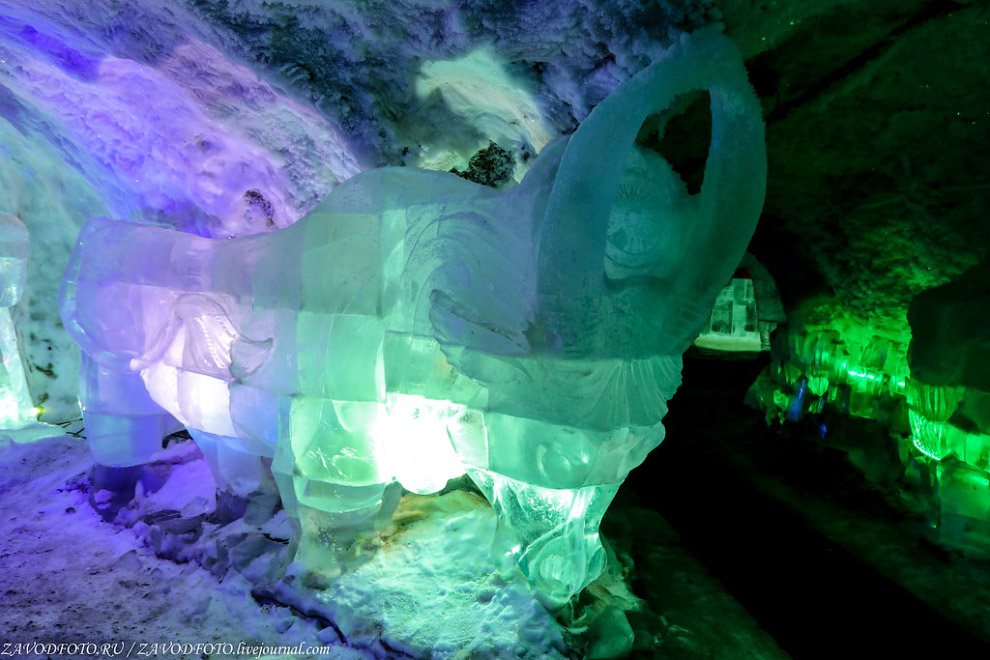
{"points": [[682, 135], [813, 596]]}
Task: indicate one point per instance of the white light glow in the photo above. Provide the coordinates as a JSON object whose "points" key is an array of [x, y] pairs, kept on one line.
{"points": [[478, 88], [412, 442]]}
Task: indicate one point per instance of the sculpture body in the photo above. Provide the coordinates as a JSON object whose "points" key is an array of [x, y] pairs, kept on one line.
{"points": [[416, 326]]}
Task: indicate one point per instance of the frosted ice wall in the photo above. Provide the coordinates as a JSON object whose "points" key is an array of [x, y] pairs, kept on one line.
{"points": [[357, 62], [232, 118], [131, 116], [16, 406]]}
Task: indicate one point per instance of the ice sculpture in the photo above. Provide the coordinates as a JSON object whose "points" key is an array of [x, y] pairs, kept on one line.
{"points": [[733, 324], [416, 326], [16, 409]]}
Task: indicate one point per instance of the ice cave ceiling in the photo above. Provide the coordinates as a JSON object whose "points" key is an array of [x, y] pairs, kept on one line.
{"points": [[234, 117]]}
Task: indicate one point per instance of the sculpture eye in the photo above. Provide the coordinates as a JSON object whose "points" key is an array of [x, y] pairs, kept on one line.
{"points": [[646, 213]]}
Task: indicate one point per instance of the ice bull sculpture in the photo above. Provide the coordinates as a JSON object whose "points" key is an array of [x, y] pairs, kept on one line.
{"points": [[416, 326]]}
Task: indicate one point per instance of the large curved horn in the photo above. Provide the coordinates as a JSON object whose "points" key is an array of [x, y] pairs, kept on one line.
{"points": [[572, 248]]}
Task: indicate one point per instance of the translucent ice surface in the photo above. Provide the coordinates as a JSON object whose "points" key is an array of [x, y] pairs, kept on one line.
{"points": [[16, 409], [416, 326], [734, 323]]}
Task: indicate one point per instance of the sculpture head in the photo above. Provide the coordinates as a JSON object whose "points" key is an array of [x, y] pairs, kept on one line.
{"points": [[579, 370], [616, 279], [655, 303]]}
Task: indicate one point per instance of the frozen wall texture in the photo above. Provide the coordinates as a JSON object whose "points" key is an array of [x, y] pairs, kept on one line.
{"points": [[878, 193], [150, 112], [227, 119], [876, 184], [129, 115]]}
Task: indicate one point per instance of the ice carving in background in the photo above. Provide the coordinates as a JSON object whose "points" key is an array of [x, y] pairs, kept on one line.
{"points": [[747, 311], [769, 308], [416, 326], [16, 408], [733, 324], [921, 379]]}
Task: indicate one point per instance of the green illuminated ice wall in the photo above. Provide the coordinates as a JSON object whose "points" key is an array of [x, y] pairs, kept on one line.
{"points": [[835, 360]]}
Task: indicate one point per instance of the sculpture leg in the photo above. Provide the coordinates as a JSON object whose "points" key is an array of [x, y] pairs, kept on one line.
{"points": [[338, 530], [550, 486], [124, 428], [550, 533], [245, 487], [330, 483]]}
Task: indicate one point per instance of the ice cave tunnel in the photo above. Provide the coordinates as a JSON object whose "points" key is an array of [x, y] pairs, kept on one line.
{"points": [[494, 329]]}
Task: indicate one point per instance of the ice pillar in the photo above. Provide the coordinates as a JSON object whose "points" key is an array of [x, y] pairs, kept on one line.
{"points": [[16, 409]]}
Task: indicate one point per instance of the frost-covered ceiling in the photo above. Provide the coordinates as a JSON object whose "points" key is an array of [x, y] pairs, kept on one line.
{"points": [[232, 117]]}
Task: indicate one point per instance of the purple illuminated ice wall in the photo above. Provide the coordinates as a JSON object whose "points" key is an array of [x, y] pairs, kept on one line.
{"points": [[120, 114], [227, 119]]}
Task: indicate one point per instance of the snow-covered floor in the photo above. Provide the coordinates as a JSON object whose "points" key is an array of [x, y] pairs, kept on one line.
{"points": [[68, 576], [167, 575]]}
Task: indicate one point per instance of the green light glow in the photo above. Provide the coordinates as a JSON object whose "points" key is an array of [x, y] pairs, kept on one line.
{"points": [[869, 356], [927, 436], [859, 366]]}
